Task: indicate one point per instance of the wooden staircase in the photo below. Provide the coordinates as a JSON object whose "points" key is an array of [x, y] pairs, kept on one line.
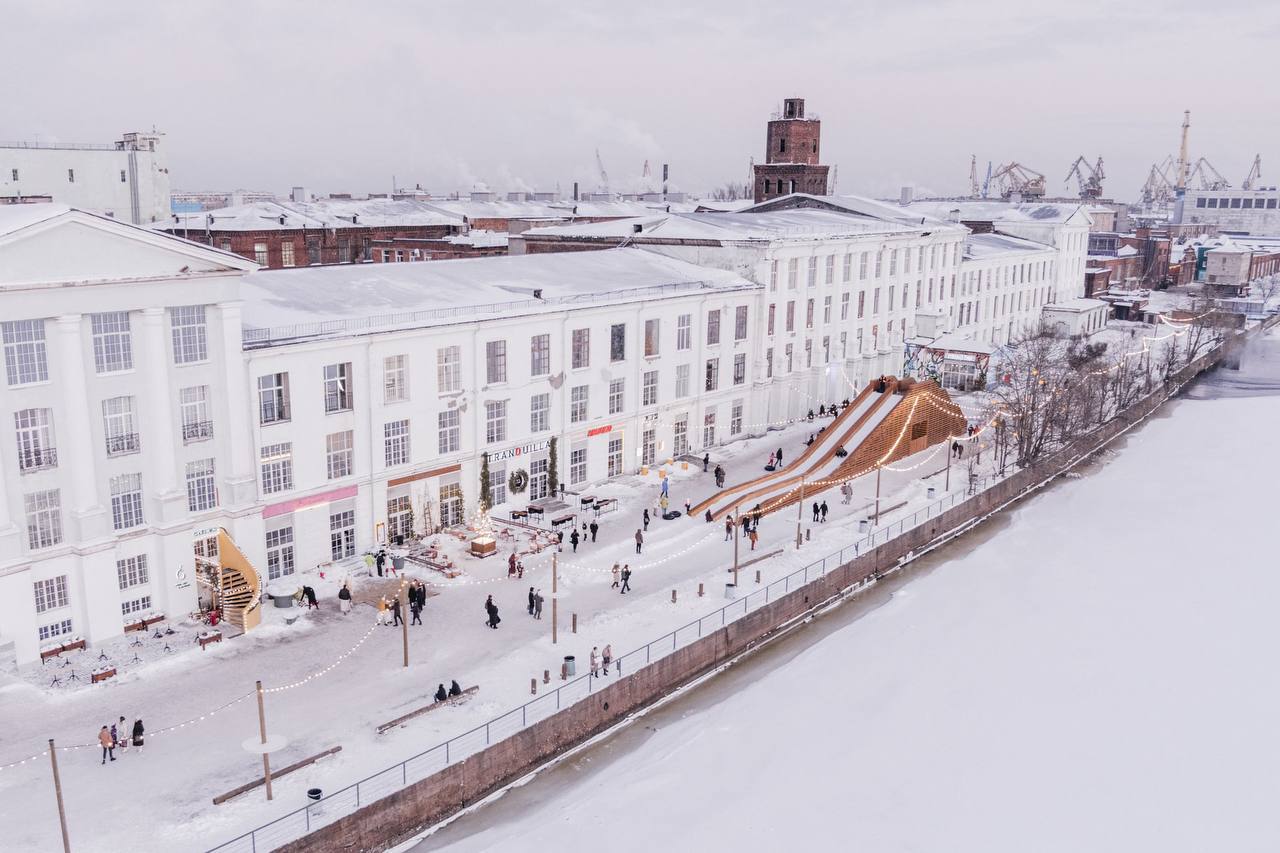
{"points": [[240, 586]]}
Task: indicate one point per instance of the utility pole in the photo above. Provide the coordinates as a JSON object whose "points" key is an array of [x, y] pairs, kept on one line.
{"points": [[262, 732], [554, 574], [404, 618], [950, 452], [800, 514], [737, 522], [877, 521], [57, 790]]}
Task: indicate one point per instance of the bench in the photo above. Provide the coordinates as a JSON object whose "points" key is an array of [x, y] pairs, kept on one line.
{"points": [[452, 700], [211, 637], [519, 514], [102, 674], [605, 505], [534, 510], [275, 774], [561, 520]]}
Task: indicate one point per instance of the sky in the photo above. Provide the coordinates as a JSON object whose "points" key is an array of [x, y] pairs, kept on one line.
{"points": [[348, 98]]}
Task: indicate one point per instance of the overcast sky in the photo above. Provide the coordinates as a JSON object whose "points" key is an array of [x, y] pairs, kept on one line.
{"points": [[274, 94]]}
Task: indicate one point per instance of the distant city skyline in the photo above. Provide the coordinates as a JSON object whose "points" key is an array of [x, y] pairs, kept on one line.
{"points": [[522, 97]]}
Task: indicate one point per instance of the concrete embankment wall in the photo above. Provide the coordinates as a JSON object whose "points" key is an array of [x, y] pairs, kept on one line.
{"points": [[399, 816]]}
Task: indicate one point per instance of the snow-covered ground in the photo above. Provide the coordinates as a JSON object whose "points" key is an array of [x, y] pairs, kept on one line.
{"points": [[1097, 675], [161, 799]]}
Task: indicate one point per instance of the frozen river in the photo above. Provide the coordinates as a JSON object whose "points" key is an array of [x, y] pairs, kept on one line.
{"points": [[1093, 671]]}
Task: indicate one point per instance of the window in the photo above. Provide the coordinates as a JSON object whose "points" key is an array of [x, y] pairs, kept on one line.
{"points": [[449, 369], [773, 317], [614, 457], [277, 467], [735, 418], [651, 331], [831, 269], [450, 504], [680, 436], [286, 254], [648, 446], [808, 314], [862, 303], [793, 273], [25, 360], [126, 501], [682, 380], [768, 363], [273, 398], [194, 406], [495, 421], [773, 266], [133, 571], [578, 465], [790, 353], [808, 352], [826, 309], [57, 629], [201, 493], [862, 266], [892, 289], [337, 387], [14, 172], [580, 350], [713, 374], [649, 389], [495, 362], [112, 343], [538, 479], [395, 442], [739, 368], [740, 323], [893, 262], [875, 301], [117, 423], [879, 262], [498, 485], [136, 605], [847, 272], [713, 327], [71, 176], [339, 453], [342, 534], [449, 431], [260, 254], [540, 355], [684, 331], [34, 429], [578, 404], [395, 379], [190, 336], [618, 342], [44, 519], [906, 261], [616, 395], [844, 306], [51, 594], [791, 317], [709, 428], [539, 412]]}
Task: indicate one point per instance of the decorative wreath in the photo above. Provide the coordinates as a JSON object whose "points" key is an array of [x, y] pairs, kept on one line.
{"points": [[518, 481]]}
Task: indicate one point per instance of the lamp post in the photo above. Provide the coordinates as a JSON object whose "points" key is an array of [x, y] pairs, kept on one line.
{"points": [[57, 790], [262, 732], [800, 514]]}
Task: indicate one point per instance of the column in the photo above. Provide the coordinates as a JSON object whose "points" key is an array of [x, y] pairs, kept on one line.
{"points": [[10, 531], [159, 444], [237, 468], [79, 464]]}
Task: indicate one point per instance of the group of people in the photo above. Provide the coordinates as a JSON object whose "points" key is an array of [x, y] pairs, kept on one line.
{"points": [[820, 511], [121, 736], [598, 657], [621, 578], [719, 472], [381, 563], [515, 566], [389, 611], [593, 528], [535, 603], [775, 460], [455, 689], [749, 523]]}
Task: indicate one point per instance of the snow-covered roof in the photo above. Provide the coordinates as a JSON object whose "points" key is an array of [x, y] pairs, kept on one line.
{"points": [[354, 299], [15, 217], [954, 342], [855, 204], [747, 226], [979, 247], [479, 239], [1126, 252], [1076, 306], [326, 213], [999, 211]]}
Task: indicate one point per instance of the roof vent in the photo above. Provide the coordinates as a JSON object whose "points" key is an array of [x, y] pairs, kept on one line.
{"points": [[282, 219], [537, 293], [637, 227]]}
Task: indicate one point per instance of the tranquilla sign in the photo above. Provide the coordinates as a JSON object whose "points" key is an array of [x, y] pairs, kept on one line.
{"points": [[522, 450]]}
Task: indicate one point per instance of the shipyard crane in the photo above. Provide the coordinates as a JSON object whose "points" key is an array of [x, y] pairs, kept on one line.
{"points": [[986, 182], [973, 176], [1210, 178], [604, 176], [1255, 174], [1158, 190], [1088, 177], [1016, 179]]}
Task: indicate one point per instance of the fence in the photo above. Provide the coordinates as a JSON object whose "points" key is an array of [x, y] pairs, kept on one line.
{"points": [[347, 800]]}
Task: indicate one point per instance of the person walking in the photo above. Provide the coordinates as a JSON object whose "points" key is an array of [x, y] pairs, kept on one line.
{"points": [[646, 518], [380, 560], [139, 731], [706, 460], [574, 539], [626, 579], [344, 599], [719, 477], [537, 605], [595, 662], [753, 536], [728, 527], [415, 607], [955, 449], [531, 601], [745, 521], [511, 565], [368, 562], [816, 510], [395, 611], [824, 510], [606, 655], [492, 610], [639, 541], [382, 610], [122, 736], [107, 743], [594, 528], [615, 571], [779, 454]]}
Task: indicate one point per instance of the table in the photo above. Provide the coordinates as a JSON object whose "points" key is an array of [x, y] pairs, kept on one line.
{"points": [[563, 519], [534, 510], [519, 514]]}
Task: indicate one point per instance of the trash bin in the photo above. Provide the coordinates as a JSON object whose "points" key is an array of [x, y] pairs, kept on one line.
{"points": [[731, 591], [314, 793], [932, 491], [569, 665], [397, 560], [862, 525]]}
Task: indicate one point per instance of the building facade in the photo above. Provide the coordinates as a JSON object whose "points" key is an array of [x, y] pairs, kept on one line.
{"points": [[1251, 211]]}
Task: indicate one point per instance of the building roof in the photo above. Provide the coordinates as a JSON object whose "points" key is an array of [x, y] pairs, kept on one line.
{"points": [[1076, 305], [987, 210], [954, 342], [978, 247], [797, 224], [855, 204], [15, 217], [350, 299], [324, 214]]}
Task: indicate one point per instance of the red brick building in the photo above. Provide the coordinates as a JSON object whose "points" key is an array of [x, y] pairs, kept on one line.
{"points": [[792, 151]]}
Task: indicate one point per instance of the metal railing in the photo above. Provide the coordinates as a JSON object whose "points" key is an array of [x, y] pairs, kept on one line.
{"points": [[255, 337], [37, 459], [347, 800], [118, 445], [197, 431]]}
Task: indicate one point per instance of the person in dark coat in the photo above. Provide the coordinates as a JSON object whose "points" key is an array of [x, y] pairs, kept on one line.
{"points": [[530, 601], [824, 512], [380, 560], [395, 611], [139, 731], [574, 539], [441, 693], [594, 529], [706, 461], [639, 541], [709, 517], [646, 518], [779, 457], [344, 599], [491, 609], [511, 565], [415, 607], [719, 477], [728, 527], [816, 510], [310, 595], [455, 689], [626, 579]]}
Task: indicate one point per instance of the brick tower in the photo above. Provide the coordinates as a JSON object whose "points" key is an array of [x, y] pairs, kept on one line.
{"points": [[791, 155]]}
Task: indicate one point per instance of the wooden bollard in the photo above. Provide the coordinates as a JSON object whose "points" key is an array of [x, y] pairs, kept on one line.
{"points": [[546, 676], [757, 576], [807, 531], [700, 593], [533, 686], [564, 672], [673, 596], [575, 623]]}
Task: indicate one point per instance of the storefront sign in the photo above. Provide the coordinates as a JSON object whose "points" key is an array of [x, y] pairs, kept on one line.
{"points": [[601, 430], [522, 450]]}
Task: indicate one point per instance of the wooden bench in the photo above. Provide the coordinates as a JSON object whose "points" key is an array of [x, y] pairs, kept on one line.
{"points": [[74, 645], [102, 675], [275, 774], [206, 639], [452, 700]]}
